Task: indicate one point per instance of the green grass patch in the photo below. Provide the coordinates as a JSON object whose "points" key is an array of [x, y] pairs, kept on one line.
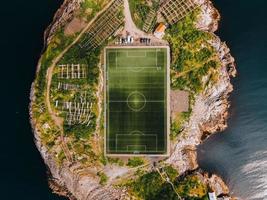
{"points": [[149, 185], [139, 10], [135, 162], [178, 124], [103, 178], [136, 93], [89, 8], [192, 188], [193, 57]]}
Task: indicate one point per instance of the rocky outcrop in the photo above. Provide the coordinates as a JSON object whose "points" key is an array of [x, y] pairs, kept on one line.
{"points": [[62, 16], [76, 181], [210, 110], [217, 185], [209, 16], [214, 182]]}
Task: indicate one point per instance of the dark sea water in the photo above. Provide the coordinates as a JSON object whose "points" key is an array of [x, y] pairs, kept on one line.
{"points": [[240, 153], [22, 171]]}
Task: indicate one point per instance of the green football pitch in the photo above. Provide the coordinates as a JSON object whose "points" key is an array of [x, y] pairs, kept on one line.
{"points": [[136, 100]]}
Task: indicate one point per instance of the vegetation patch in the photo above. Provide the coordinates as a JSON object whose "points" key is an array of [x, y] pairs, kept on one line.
{"points": [[116, 161], [178, 123], [135, 162], [151, 186], [192, 188], [194, 59], [76, 137], [89, 8], [103, 178], [140, 10], [148, 185], [85, 86]]}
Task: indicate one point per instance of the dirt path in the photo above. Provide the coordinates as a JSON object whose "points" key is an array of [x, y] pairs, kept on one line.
{"points": [[130, 27], [187, 71], [97, 136], [164, 176], [58, 120]]}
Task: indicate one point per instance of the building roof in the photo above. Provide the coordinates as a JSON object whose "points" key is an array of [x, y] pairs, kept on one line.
{"points": [[161, 28]]}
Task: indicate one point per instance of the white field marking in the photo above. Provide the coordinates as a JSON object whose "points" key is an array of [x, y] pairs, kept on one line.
{"points": [[139, 67], [115, 101], [130, 86], [144, 83], [136, 69], [116, 59], [136, 146], [107, 104], [142, 56], [136, 87], [156, 59], [144, 101], [157, 50], [157, 66], [119, 71], [151, 135], [136, 133], [130, 153], [129, 134]]}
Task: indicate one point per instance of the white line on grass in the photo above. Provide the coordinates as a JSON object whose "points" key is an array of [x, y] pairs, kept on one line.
{"points": [[143, 56]]}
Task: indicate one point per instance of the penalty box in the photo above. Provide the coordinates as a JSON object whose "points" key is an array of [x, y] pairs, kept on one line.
{"points": [[137, 111]]}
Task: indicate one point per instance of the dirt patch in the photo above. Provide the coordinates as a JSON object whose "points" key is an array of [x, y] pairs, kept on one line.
{"points": [[179, 102], [75, 26]]}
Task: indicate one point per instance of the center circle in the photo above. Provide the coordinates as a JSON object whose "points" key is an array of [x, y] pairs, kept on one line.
{"points": [[136, 101]]}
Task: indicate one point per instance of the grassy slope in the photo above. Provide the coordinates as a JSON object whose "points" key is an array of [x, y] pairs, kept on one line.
{"points": [[151, 186], [140, 9], [49, 135], [193, 57]]}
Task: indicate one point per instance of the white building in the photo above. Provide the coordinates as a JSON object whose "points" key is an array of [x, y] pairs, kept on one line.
{"points": [[160, 31], [212, 196]]}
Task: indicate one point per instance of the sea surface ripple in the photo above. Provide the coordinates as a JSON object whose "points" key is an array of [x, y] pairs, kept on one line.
{"points": [[239, 154]]}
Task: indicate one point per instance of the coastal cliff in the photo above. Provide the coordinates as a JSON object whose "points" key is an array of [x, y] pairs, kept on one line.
{"points": [[209, 115], [63, 15], [210, 109]]}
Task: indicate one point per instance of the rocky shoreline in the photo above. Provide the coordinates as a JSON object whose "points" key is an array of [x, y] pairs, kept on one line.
{"points": [[71, 180], [213, 102], [63, 15]]}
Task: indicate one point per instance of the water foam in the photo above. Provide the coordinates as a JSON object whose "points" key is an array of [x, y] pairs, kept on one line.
{"points": [[256, 175]]}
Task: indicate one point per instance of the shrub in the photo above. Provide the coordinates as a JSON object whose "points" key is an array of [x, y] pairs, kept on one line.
{"points": [[135, 161], [103, 178]]}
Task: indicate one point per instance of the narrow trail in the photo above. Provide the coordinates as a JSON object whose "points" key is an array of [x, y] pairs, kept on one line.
{"points": [[58, 120], [130, 26], [187, 71], [97, 136], [164, 177]]}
